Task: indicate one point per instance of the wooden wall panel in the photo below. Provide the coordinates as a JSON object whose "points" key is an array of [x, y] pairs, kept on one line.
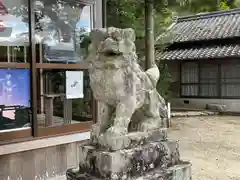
{"points": [[4, 167], [15, 166], [39, 164], [71, 156], [28, 165], [51, 164], [40, 169]]}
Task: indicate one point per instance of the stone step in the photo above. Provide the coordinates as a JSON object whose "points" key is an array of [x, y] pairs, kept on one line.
{"points": [[132, 139], [133, 161], [181, 171]]}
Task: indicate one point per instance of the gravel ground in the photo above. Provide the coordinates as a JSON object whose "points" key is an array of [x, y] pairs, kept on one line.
{"points": [[211, 143]]}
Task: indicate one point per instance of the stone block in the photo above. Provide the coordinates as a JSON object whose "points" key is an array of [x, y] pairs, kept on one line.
{"points": [[128, 162], [131, 140], [216, 107], [182, 171]]}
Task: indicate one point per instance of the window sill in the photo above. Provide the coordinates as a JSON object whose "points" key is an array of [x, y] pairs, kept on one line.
{"points": [[43, 143], [209, 97]]}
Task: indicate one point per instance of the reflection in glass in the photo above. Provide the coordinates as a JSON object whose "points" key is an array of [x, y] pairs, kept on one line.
{"points": [[63, 28], [14, 83], [14, 39], [54, 108], [14, 98]]}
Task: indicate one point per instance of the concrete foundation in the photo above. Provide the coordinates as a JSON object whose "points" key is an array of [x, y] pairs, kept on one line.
{"points": [[153, 160]]}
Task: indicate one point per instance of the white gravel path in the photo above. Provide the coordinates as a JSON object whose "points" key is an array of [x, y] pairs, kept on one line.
{"points": [[211, 143]]}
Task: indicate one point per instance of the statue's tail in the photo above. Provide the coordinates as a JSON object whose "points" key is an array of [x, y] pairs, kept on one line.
{"points": [[153, 74]]}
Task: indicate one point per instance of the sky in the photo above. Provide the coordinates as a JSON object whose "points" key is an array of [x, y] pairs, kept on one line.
{"points": [[20, 27]]}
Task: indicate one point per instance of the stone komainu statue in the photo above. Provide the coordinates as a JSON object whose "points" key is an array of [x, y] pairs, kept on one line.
{"points": [[129, 143], [117, 80]]}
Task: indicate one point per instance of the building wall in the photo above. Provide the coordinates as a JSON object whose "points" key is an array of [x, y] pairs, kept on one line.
{"points": [[233, 105], [40, 164]]}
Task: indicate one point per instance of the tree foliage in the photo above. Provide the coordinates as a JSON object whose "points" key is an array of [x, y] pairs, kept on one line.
{"points": [[129, 13]]}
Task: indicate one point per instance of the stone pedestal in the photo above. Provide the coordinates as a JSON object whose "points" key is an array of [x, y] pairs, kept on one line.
{"points": [[151, 159]]}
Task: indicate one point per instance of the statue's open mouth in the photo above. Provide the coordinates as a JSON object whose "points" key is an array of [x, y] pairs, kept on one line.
{"points": [[111, 53]]}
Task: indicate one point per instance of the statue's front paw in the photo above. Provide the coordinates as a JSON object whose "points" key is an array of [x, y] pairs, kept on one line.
{"points": [[95, 133], [116, 131], [149, 125]]}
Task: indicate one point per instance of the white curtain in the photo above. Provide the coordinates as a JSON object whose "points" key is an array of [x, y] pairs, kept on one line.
{"points": [[208, 80], [230, 80], [189, 75]]}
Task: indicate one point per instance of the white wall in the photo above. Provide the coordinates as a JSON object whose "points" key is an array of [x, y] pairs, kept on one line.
{"points": [[233, 105]]}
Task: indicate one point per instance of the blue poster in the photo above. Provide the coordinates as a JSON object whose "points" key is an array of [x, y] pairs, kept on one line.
{"points": [[15, 87]]}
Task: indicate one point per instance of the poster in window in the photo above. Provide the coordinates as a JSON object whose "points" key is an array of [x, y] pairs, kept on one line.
{"points": [[14, 87], [74, 84], [14, 98]]}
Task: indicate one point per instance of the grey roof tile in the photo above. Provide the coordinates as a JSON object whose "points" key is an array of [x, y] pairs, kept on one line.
{"points": [[200, 53], [214, 25]]}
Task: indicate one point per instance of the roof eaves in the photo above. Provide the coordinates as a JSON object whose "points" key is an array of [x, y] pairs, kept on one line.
{"points": [[209, 15]]}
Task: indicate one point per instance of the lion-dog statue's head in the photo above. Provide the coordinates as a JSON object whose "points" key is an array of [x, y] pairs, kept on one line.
{"points": [[112, 42]]}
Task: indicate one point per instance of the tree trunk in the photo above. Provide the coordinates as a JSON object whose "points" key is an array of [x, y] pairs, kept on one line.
{"points": [[104, 13], [149, 34]]}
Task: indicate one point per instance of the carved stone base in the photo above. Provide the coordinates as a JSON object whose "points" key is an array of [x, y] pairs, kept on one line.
{"points": [[152, 160], [181, 171], [130, 140]]}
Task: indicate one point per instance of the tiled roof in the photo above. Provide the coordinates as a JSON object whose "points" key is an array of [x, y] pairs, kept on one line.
{"points": [[200, 53], [214, 25]]}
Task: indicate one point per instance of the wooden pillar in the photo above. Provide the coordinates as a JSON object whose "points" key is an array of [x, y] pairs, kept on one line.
{"points": [[41, 80], [199, 78], [49, 111], [67, 111], [25, 54], [8, 54], [219, 83], [149, 34]]}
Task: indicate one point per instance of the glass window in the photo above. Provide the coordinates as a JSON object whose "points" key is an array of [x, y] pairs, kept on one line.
{"points": [[64, 98], [208, 73], [60, 86], [14, 27], [62, 29], [208, 90], [62, 39], [230, 80], [189, 90], [14, 68], [203, 86], [208, 80], [189, 79], [189, 73]]}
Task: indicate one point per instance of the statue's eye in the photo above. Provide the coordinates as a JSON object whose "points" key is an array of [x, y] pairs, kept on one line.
{"points": [[116, 36]]}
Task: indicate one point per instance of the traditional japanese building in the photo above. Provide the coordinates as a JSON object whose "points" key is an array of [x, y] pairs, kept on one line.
{"points": [[204, 60]]}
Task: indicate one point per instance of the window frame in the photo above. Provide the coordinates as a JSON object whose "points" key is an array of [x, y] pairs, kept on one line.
{"points": [[35, 132], [218, 63]]}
